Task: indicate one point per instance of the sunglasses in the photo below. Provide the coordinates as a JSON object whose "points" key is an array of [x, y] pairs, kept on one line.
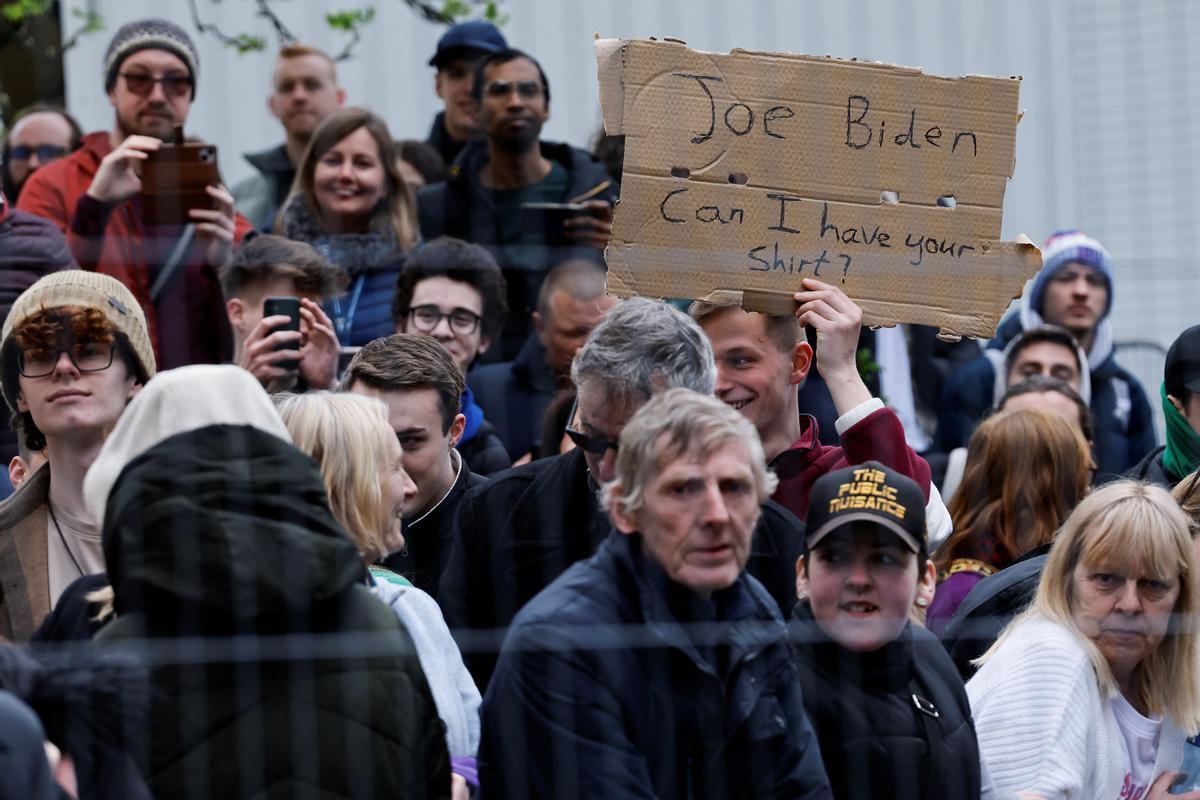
{"points": [[596, 445], [528, 90], [141, 83], [44, 152]]}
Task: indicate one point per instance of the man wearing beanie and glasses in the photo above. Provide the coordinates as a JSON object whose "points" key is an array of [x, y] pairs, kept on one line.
{"points": [[1074, 290], [95, 197], [1180, 394], [73, 352]]}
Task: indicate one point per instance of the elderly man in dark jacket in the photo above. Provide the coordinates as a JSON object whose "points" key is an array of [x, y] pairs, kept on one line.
{"points": [[527, 525], [658, 667]]}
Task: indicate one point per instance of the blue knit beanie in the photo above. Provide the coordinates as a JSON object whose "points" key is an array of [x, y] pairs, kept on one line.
{"points": [[1071, 247]]}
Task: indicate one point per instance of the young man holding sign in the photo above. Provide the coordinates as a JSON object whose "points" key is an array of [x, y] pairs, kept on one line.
{"points": [[761, 362]]}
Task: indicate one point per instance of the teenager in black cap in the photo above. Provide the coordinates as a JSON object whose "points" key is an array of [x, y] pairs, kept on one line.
{"points": [[885, 700]]}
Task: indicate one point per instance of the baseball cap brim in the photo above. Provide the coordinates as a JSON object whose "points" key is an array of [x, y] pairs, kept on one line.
{"points": [[841, 520]]}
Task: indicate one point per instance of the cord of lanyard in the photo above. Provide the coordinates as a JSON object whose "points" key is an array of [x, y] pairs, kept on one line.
{"points": [[344, 322]]}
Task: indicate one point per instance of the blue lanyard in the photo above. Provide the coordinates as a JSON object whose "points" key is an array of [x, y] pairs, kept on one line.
{"points": [[343, 323]]}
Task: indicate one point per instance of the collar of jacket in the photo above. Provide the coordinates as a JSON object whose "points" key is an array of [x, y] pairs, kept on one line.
{"points": [[272, 161], [354, 252], [660, 597], [530, 366]]}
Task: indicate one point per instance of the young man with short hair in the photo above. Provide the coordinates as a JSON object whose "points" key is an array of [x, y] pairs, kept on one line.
{"points": [[1074, 290], [304, 91], [272, 266], [761, 362], [73, 352], [422, 387], [459, 52], [453, 292], [93, 195]]}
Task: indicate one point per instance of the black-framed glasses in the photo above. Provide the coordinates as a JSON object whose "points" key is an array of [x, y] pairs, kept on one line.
{"points": [[44, 152], [426, 319], [86, 356], [141, 83], [596, 445], [528, 90]]}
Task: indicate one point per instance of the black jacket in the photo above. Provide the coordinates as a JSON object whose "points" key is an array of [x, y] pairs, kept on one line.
{"points": [[1151, 470], [602, 692], [989, 607], [875, 742], [427, 539], [522, 529], [514, 396], [443, 142], [458, 207], [224, 557]]}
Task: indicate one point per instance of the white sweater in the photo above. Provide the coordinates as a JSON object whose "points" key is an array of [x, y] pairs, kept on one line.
{"points": [[1041, 722]]}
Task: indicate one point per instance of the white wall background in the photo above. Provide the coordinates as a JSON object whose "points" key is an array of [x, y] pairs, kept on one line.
{"points": [[1108, 92]]}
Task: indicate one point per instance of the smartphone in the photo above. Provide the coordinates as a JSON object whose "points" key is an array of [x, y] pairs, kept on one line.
{"points": [[174, 180], [285, 307], [547, 219]]}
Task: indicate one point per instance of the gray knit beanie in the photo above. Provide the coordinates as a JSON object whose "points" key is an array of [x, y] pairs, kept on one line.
{"points": [[150, 34]]}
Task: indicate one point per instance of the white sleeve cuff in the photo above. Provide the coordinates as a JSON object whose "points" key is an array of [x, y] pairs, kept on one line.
{"points": [[938, 525], [857, 414]]}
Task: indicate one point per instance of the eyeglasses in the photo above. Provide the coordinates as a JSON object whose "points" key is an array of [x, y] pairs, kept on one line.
{"points": [[596, 445], [142, 84], [86, 356], [44, 152], [528, 90], [426, 319]]}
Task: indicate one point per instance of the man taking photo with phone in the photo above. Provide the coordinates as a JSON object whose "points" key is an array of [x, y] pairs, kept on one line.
{"points": [[95, 197]]}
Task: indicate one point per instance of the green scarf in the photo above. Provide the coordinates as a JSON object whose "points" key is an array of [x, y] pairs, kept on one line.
{"points": [[1182, 455]]}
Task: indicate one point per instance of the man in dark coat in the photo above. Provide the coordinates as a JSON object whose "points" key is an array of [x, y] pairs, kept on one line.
{"points": [[658, 667], [492, 180], [515, 394], [522, 529]]}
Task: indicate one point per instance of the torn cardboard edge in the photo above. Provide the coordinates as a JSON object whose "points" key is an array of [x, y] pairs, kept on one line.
{"points": [[686, 226]]}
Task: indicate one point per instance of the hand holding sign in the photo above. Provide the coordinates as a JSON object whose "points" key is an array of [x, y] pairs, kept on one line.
{"points": [[746, 173]]}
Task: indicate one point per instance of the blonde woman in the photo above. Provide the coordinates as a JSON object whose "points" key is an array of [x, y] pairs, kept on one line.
{"points": [[1089, 692], [359, 457]]}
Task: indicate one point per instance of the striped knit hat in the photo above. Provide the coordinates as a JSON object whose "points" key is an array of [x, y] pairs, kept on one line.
{"points": [[1071, 247], [150, 34]]}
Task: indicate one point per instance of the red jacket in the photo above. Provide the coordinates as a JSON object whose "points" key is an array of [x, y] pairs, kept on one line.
{"points": [[877, 437], [188, 324]]}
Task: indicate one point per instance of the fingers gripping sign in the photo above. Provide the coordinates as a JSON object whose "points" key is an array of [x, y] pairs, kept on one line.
{"points": [[837, 320]]}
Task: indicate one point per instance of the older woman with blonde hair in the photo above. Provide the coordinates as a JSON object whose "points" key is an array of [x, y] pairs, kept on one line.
{"points": [[357, 451], [1089, 692]]}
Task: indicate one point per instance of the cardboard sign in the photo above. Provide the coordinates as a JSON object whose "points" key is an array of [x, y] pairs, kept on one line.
{"points": [[746, 172]]}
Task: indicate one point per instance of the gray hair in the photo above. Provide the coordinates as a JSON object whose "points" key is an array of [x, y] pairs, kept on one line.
{"points": [[643, 346], [690, 423]]}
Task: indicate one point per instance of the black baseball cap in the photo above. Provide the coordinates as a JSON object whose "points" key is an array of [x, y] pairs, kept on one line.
{"points": [[869, 492], [1182, 369], [477, 35]]}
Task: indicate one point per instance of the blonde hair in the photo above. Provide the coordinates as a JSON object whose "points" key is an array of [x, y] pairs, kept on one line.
{"points": [[346, 434], [1128, 523], [1186, 493]]}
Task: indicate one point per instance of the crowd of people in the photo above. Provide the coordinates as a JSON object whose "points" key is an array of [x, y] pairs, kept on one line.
{"points": [[355, 483]]}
